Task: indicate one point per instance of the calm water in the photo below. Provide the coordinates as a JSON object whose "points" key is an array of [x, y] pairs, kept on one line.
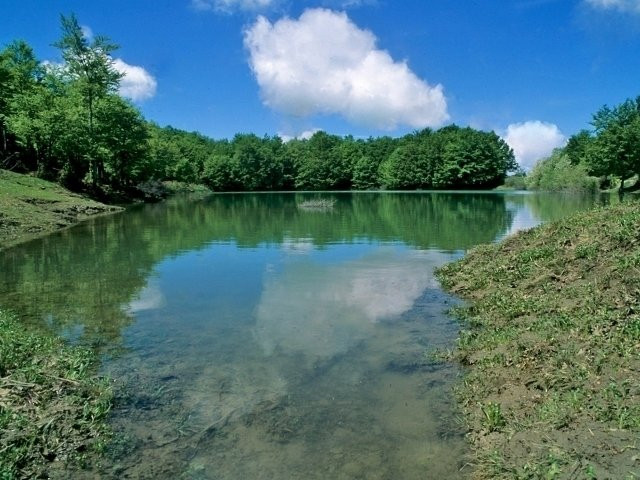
{"points": [[254, 339]]}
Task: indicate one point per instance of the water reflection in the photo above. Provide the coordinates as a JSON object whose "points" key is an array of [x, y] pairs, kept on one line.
{"points": [[322, 310], [149, 298], [89, 275], [319, 374], [528, 209]]}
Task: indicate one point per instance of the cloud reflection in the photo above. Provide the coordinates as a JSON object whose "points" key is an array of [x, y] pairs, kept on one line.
{"points": [[149, 298], [323, 310]]}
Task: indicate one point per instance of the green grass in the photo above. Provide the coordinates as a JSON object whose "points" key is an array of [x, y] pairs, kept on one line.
{"points": [[30, 206], [52, 407], [551, 338]]}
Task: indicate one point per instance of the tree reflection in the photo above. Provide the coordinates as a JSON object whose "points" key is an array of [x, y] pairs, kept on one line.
{"points": [[91, 280]]}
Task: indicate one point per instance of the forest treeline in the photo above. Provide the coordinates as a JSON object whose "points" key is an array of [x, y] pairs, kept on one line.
{"points": [[602, 157], [66, 122]]}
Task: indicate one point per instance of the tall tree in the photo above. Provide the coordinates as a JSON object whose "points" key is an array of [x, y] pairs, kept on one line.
{"points": [[317, 169], [91, 66], [123, 137], [616, 149], [20, 73], [578, 145]]}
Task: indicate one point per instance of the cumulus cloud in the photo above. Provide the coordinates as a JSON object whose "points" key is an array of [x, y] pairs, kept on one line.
{"points": [[231, 5], [137, 84], [322, 63], [533, 140], [619, 5]]}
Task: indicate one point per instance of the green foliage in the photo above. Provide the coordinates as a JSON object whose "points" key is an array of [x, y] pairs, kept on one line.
{"points": [[452, 157], [217, 173], [578, 146], [405, 169], [67, 122], [365, 174], [19, 71], [256, 163], [493, 417], [558, 173], [518, 181], [616, 148], [319, 168], [53, 410], [122, 135], [90, 69], [612, 149], [472, 159]]}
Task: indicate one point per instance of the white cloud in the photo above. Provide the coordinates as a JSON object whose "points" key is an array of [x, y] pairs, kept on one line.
{"points": [[53, 66], [620, 5], [228, 6], [306, 135], [322, 63], [348, 3], [533, 140], [137, 84]]}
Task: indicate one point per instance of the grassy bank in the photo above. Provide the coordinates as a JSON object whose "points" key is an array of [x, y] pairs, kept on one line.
{"points": [[551, 337], [52, 407], [30, 207]]}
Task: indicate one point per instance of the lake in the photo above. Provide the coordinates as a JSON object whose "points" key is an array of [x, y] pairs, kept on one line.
{"points": [[252, 337]]}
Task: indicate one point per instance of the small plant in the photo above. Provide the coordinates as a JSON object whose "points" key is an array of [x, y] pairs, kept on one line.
{"points": [[493, 418], [590, 472]]}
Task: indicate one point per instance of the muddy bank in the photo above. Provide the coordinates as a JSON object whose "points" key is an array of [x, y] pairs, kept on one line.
{"points": [[552, 343]]}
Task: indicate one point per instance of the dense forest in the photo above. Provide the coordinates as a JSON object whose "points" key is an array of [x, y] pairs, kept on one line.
{"points": [[66, 122]]}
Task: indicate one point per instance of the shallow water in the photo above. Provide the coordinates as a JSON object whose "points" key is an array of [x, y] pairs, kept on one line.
{"points": [[252, 338]]}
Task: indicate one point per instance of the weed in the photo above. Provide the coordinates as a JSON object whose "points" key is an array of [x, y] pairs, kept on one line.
{"points": [[52, 408], [493, 418]]}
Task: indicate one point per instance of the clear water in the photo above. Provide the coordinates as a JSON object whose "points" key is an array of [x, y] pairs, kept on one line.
{"points": [[255, 339]]}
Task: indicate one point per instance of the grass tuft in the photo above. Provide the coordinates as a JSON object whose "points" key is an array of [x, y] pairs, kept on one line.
{"points": [[52, 407]]}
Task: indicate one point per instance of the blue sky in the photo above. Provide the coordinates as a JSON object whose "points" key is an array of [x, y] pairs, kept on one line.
{"points": [[532, 70]]}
